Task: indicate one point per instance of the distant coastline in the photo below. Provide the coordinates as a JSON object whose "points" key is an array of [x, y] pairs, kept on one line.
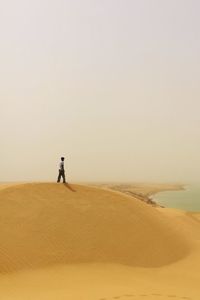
{"points": [[188, 199], [143, 191]]}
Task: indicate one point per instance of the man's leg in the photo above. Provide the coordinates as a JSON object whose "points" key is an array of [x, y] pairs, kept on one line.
{"points": [[59, 176], [63, 176]]}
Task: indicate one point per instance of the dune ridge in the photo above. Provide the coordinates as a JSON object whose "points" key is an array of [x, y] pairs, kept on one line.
{"points": [[45, 223]]}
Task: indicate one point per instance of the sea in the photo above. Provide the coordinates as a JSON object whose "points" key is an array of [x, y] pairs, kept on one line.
{"points": [[188, 199]]}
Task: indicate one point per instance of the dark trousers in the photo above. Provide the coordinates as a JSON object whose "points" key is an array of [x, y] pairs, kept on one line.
{"points": [[61, 174]]}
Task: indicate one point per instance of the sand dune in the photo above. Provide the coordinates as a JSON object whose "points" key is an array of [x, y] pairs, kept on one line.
{"points": [[42, 224], [63, 238]]}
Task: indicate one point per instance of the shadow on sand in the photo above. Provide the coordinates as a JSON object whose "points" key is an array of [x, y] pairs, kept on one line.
{"points": [[69, 187]]}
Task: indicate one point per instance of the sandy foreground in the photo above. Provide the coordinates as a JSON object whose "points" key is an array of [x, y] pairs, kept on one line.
{"points": [[80, 242]]}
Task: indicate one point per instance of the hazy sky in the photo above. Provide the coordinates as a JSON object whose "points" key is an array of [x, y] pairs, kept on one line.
{"points": [[113, 85]]}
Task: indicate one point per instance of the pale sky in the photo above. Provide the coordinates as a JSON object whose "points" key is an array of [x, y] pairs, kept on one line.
{"points": [[113, 85]]}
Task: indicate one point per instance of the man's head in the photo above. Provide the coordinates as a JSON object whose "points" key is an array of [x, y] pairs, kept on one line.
{"points": [[62, 158]]}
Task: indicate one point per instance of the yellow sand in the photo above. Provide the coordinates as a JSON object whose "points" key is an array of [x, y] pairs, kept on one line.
{"points": [[79, 242]]}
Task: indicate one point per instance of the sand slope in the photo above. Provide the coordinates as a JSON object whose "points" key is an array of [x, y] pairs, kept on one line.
{"points": [[45, 223], [94, 245]]}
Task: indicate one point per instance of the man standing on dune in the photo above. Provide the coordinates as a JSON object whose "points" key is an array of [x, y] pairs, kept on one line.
{"points": [[61, 170]]}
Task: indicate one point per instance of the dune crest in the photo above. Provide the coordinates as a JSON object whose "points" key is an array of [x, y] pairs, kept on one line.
{"points": [[46, 223]]}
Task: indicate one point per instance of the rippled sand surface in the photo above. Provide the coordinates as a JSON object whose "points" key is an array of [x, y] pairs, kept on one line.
{"points": [[80, 242]]}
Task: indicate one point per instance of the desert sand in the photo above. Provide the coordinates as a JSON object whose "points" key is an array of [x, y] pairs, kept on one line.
{"points": [[82, 242]]}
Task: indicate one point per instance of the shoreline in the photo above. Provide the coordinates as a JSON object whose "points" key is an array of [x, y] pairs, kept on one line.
{"points": [[180, 188], [143, 192]]}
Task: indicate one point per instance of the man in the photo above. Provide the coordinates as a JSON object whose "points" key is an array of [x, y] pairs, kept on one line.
{"points": [[61, 170]]}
